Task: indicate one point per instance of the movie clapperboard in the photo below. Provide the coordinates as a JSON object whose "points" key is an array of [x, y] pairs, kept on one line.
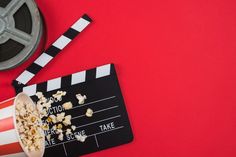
{"points": [[108, 127]]}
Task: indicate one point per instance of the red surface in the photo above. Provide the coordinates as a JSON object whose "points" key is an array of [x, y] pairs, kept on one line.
{"points": [[176, 62]]}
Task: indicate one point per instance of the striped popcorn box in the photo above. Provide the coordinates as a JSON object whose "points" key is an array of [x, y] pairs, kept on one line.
{"points": [[10, 143]]}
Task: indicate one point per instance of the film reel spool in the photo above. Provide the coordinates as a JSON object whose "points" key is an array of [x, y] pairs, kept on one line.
{"points": [[21, 29]]}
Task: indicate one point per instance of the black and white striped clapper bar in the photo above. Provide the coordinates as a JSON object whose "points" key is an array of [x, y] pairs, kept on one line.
{"points": [[108, 127], [52, 51]]}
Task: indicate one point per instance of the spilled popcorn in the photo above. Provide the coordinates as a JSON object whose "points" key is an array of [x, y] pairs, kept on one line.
{"points": [[58, 96], [81, 138], [60, 117], [67, 120], [89, 112], [81, 98], [60, 123], [43, 105], [67, 105]]}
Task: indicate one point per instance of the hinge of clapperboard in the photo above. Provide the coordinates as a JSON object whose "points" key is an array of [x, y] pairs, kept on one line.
{"points": [[51, 52]]}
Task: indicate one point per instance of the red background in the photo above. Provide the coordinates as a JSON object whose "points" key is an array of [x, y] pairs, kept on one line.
{"points": [[176, 62]]}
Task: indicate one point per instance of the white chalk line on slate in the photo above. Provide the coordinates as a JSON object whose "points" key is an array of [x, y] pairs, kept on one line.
{"points": [[93, 102], [98, 111], [95, 136], [64, 149], [99, 133], [81, 126]]}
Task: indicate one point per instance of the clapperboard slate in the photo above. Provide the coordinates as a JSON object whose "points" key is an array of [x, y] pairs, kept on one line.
{"points": [[108, 127]]}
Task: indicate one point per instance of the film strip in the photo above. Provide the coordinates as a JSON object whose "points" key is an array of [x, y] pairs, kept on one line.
{"points": [[52, 51], [109, 125]]}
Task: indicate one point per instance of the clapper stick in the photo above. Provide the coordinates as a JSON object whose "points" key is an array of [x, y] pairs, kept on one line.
{"points": [[51, 52]]}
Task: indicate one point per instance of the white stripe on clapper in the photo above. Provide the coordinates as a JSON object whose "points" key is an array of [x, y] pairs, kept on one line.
{"points": [[30, 90], [102, 71], [43, 59], [80, 25], [78, 77], [25, 77], [61, 42], [54, 84]]}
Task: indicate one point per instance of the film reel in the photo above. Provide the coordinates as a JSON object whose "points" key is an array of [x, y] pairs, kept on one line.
{"points": [[21, 29]]}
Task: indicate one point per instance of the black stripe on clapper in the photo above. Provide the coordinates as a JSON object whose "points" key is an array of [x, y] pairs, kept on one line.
{"points": [[86, 17], [52, 51], [113, 71], [66, 81], [90, 74], [34, 68], [42, 86], [71, 33]]}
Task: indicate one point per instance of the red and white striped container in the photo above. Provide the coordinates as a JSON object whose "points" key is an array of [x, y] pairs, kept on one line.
{"points": [[10, 144]]}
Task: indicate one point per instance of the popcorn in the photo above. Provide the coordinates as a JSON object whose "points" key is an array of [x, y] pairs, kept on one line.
{"points": [[32, 131], [48, 137], [41, 101], [43, 113], [31, 119], [28, 124], [39, 95], [21, 129], [31, 148], [73, 127], [81, 98], [67, 120], [60, 117], [45, 127], [53, 118], [59, 131], [89, 112], [49, 120], [54, 127], [59, 126], [81, 138], [60, 137], [68, 131], [47, 105], [61, 120], [58, 96], [67, 105]]}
